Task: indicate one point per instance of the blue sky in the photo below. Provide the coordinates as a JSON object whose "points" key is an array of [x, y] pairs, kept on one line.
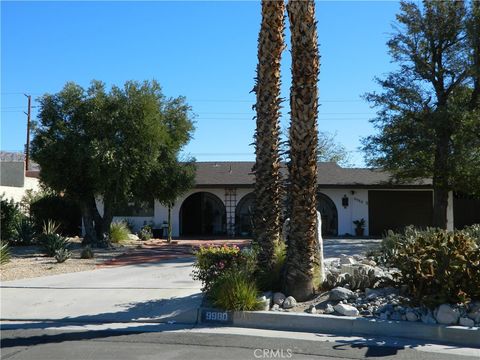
{"points": [[205, 51]]}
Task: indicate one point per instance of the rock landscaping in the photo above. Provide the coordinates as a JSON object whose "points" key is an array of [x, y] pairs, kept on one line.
{"points": [[384, 303]]}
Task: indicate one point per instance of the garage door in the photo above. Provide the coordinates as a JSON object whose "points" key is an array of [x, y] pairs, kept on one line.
{"points": [[466, 211], [393, 210]]}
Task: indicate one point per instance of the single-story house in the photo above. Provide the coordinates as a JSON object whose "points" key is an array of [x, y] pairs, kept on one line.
{"points": [[221, 202]]}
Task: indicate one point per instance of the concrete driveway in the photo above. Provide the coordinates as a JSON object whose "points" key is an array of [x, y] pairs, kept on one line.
{"points": [[161, 291], [332, 248], [145, 291]]}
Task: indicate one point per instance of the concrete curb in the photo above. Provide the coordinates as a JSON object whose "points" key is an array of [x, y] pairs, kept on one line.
{"points": [[349, 326]]}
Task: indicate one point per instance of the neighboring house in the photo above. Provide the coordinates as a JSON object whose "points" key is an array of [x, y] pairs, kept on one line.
{"points": [[14, 180], [221, 202]]}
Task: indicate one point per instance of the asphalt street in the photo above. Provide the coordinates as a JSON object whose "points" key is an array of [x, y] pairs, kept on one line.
{"points": [[39, 341]]}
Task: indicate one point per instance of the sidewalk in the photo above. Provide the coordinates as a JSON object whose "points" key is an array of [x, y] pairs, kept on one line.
{"points": [[162, 291]]}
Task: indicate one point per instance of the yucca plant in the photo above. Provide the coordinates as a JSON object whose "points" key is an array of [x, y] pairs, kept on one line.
{"points": [[235, 290], [4, 253], [118, 232], [25, 233], [50, 227]]}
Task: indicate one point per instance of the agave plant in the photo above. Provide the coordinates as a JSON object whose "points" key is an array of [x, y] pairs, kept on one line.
{"points": [[62, 255], [53, 242], [25, 232]]}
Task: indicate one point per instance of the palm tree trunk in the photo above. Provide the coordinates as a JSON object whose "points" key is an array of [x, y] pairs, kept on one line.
{"points": [[302, 254], [266, 217]]}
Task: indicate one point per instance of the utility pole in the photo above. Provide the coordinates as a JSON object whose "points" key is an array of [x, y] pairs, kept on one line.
{"points": [[27, 155]]}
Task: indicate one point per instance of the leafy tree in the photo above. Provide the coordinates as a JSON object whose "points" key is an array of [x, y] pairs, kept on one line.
{"points": [[169, 180], [429, 111], [93, 143], [266, 218], [302, 188], [329, 150]]}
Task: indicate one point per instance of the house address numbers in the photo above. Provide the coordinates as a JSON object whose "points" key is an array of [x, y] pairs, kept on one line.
{"points": [[215, 316]]}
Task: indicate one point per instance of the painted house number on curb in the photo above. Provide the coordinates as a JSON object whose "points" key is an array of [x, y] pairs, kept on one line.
{"points": [[216, 316]]}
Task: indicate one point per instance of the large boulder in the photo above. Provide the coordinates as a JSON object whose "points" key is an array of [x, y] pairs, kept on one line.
{"points": [[346, 310], [341, 293], [465, 321], [279, 298], [474, 311], [411, 316], [446, 315], [328, 309], [289, 302]]}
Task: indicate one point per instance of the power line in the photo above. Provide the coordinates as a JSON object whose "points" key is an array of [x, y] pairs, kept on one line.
{"points": [[253, 113], [253, 100], [319, 119]]}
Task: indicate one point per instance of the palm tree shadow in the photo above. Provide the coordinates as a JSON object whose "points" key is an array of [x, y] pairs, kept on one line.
{"points": [[155, 315]]}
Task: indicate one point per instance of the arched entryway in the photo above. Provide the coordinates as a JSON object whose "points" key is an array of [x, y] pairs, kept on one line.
{"points": [[202, 214], [329, 213], [243, 216]]}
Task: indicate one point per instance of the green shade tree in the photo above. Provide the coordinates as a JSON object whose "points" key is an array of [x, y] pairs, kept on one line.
{"points": [[96, 143], [428, 120]]}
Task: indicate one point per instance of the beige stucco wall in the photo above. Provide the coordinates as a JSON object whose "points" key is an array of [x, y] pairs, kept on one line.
{"points": [[16, 193]]}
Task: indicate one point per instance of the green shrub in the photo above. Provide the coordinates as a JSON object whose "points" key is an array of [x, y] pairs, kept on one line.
{"points": [[25, 232], [10, 215], [65, 212], [62, 255], [235, 290], [145, 232], [51, 243], [118, 232], [87, 253], [473, 231], [212, 261], [4, 253], [438, 266]]}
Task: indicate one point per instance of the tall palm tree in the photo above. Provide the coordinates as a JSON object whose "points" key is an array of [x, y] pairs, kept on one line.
{"points": [[266, 217], [302, 254]]}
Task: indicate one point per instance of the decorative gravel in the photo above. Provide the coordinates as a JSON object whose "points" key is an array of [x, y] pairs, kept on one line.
{"points": [[29, 261]]}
